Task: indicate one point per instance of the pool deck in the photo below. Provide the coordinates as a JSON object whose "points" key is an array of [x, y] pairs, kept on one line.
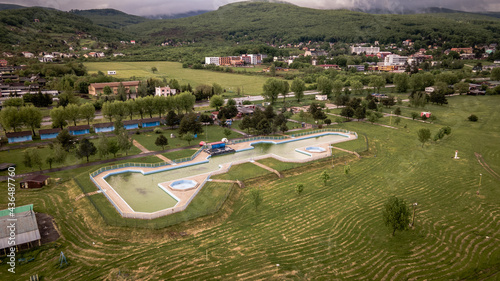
{"points": [[185, 197]]}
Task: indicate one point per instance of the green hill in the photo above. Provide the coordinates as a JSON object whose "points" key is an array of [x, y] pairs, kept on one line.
{"points": [[275, 23], [10, 7], [41, 29], [109, 17]]}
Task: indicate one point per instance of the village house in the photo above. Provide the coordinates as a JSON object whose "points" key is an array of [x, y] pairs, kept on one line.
{"points": [[165, 91], [97, 88]]}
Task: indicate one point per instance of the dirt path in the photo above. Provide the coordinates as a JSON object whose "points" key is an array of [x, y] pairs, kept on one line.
{"points": [[267, 168], [345, 150], [145, 150], [241, 184], [86, 194], [481, 161]]}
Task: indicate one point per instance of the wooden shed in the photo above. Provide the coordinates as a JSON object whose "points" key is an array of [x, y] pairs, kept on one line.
{"points": [[35, 181]]}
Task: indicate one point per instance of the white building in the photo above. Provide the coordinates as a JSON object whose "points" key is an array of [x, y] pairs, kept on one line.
{"points": [[395, 60], [212, 60], [367, 50], [164, 91], [321, 97]]}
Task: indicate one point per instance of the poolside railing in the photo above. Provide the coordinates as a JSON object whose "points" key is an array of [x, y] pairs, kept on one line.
{"points": [[324, 130], [258, 138]]}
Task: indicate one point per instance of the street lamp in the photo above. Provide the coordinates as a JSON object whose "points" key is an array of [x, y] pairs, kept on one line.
{"points": [[480, 177], [333, 156], [413, 220]]}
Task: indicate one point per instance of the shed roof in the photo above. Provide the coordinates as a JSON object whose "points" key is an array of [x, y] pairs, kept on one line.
{"points": [[154, 119], [78, 128], [49, 131], [35, 178], [103, 125], [18, 134], [129, 122], [26, 226]]}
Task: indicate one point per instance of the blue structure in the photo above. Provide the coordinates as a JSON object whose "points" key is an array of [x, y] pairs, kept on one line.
{"points": [[49, 133], [131, 124], [219, 144], [79, 130], [104, 127], [151, 122], [19, 136]]}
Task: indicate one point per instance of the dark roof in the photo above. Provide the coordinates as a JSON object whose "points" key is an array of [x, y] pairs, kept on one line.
{"points": [[18, 134], [151, 120], [79, 128], [103, 125], [49, 131], [5, 166], [35, 178], [129, 122]]}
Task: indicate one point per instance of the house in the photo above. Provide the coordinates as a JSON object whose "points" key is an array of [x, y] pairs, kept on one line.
{"points": [[463, 50], [358, 67], [321, 97], [97, 88], [367, 50], [151, 122], [104, 127], [429, 90], [28, 55], [26, 227], [131, 124], [3, 63], [315, 53], [382, 55], [212, 60], [49, 133], [19, 136], [132, 41], [395, 60], [79, 130], [165, 91], [34, 181], [427, 114], [111, 72], [328, 66]]}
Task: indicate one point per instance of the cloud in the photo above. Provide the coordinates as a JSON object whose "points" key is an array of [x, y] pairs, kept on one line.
{"points": [[155, 7]]}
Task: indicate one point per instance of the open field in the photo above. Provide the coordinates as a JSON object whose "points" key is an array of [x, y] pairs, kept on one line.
{"points": [[251, 84], [329, 232]]}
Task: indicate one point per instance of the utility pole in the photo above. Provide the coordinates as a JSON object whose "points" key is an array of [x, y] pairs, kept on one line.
{"points": [[413, 220]]}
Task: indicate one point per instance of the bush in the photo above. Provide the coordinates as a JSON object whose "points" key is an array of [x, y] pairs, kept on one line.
{"points": [[247, 102], [137, 132], [473, 118], [158, 131], [328, 121]]}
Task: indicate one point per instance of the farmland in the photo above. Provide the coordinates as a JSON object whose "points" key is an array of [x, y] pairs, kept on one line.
{"points": [[251, 84], [329, 232]]}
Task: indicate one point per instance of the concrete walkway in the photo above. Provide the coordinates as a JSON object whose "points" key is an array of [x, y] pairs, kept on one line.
{"points": [[345, 150], [86, 194]]}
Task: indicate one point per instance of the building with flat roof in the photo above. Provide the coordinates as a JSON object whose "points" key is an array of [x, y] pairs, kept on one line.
{"points": [[98, 88], [19, 136]]}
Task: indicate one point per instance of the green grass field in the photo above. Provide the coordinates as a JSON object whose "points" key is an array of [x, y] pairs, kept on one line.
{"points": [[332, 232], [251, 84]]}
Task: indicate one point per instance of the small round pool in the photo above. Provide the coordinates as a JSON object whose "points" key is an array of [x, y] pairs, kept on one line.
{"points": [[316, 149], [183, 184]]}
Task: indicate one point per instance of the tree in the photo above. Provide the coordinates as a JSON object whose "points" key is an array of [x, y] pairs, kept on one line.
{"points": [[372, 105], [246, 124], [10, 117], [113, 147], [402, 82], [189, 123], [337, 86], [58, 153], [227, 132], [272, 88], [102, 146], [396, 214], [149, 105], [473, 118], [32, 158], [65, 140], [461, 87], [124, 142], [377, 82], [256, 198], [49, 160], [397, 111], [389, 101], [87, 112], [85, 149], [495, 74], [325, 85], [185, 101], [357, 86], [31, 117], [188, 137], [107, 90], [414, 115], [347, 169], [216, 101], [284, 90], [14, 102], [299, 188], [108, 110], [121, 92], [424, 135], [230, 102], [373, 116], [397, 121], [217, 89], [154, 69], [171, 119], [347, 112], [72, 113], [58, 117], [298, 87], [360, 113], [324, 177]]}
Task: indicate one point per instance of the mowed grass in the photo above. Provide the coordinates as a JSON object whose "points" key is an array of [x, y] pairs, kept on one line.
{"points": [[329, 232], [251, 84]]}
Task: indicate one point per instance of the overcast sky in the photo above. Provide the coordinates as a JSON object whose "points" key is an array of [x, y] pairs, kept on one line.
{"points": [[155, 7]]}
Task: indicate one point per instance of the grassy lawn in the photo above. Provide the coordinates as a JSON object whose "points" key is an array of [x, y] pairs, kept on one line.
{"points": [[179, 154], [329, 232], [215, 133], [251, 84]]}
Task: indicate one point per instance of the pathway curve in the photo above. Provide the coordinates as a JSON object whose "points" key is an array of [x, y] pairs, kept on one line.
{"points": [[348, 151], [145, 150], [481, 161], [86, 194], [267, 168]]}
